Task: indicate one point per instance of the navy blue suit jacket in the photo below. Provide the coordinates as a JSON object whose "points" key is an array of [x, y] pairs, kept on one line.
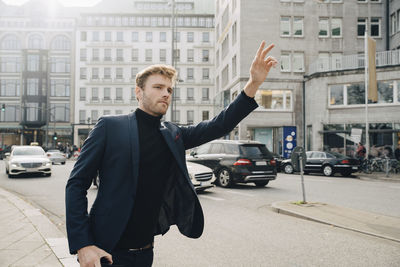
{"points": [[112, 151]]}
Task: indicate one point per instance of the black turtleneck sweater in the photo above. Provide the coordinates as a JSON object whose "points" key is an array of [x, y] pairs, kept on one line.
{"points": [[155, 161]]}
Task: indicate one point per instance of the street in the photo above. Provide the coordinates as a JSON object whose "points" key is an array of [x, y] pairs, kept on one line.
{"points": [[242, 230]]}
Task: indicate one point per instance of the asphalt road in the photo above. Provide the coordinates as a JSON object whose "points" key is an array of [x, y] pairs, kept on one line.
{"points": [[240, 228]]}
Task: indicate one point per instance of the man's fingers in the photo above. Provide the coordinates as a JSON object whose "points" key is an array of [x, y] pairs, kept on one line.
{"points": [[260, 49], [266, 51]]}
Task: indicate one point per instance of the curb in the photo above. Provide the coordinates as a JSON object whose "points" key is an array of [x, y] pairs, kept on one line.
{"points": [[275, 207], [53, 237]]}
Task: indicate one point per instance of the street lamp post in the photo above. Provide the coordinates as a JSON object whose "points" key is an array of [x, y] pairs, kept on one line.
{"points": [[173, 53]]}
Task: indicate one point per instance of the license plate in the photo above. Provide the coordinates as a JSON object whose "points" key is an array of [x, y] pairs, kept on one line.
{"points": [[261, 163], [354, 168], [205, 183]]}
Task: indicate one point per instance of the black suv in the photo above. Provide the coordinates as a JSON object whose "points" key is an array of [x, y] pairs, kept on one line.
{"points": [[236, 161]]}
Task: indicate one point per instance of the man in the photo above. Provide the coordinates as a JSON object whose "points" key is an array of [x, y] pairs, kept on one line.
{"points": [[144, 183], [361, 151], [397, 152]]}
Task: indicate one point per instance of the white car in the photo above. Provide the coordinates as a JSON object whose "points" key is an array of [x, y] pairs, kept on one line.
{"points": [[201, 176], [27, 159], [56, 156]]}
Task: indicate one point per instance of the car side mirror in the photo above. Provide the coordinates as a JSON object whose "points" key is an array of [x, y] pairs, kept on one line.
{"points": [[7, 154]]}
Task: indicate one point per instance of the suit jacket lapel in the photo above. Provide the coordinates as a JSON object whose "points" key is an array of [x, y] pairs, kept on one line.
{"points": [[172, 146], [134, 145]]}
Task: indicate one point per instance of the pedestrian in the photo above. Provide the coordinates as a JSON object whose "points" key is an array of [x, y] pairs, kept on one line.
{"points": [[144, 182], [361, 151], [397, 152]]}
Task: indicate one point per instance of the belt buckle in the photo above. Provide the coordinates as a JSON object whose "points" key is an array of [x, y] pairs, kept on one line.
{"points": [[142, 248]]}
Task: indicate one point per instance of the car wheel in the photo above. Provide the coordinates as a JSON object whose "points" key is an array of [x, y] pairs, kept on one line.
{"points": [[63, 163], [48, 174], [261, 183], [6, 171], [288, 168], [224, 178], [10, 176], [327, 170]]}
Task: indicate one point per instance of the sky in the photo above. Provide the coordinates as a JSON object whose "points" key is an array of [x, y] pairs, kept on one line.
{"points": [[63, 2]]}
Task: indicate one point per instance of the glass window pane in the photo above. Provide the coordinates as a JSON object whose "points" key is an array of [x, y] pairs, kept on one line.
{"points": [[355, 94], [336, 95], [385, 92]]}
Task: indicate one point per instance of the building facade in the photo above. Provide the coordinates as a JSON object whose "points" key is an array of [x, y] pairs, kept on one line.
{"points": [[36, 75], [114, 44], [309, 37]]}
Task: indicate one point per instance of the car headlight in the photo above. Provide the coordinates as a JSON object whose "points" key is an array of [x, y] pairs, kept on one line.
{"points": [[15, 164], [46, 163]]}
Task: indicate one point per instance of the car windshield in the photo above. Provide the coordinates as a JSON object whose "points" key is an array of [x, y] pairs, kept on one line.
{"points": [[255, 151], [29, 151]]}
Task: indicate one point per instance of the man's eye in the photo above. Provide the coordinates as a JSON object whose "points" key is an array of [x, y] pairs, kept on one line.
{"points": [[170, 91]]}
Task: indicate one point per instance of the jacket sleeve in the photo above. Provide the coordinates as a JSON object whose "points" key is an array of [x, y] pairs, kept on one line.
{"points": [[220, 125], [76, 203]]}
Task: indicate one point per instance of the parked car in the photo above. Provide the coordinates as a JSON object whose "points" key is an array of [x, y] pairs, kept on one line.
{"points": [[278, 158], [236, 161], [327, 163], [201, 176], [27, 159], [4, 151], [56, 156]]}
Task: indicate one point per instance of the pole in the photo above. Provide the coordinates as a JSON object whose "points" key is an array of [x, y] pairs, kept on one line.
{"points": [[302, 178], [366, 90], [172, 52]]}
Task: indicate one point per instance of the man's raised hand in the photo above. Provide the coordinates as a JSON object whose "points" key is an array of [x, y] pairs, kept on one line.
{"points": [[259, 69]]}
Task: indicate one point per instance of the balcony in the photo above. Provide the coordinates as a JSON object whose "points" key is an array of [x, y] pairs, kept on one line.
{"points": [[351, 62]]}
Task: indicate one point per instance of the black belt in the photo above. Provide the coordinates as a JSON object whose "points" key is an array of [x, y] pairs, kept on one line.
{"points": [[151, 245]]}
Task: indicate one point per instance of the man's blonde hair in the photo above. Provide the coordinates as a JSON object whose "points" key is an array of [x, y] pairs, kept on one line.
{"points": [[164, 70]]}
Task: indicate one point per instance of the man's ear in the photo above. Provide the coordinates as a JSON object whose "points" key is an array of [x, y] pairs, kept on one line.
{"points": [[138, 93]]}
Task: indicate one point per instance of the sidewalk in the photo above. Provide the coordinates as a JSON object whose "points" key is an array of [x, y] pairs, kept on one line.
{"points": [[29, 238], [359, 221], [378, 176]]}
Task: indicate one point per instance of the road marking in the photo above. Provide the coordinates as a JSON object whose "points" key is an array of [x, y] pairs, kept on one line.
{"points": [[212, 198], [239, 193]]}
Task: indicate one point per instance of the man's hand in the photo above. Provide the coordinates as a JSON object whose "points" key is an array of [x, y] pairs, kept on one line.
{"points": [[259, 69], [90, 256]]}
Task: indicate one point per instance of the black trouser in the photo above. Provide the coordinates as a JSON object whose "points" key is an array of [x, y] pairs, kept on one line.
{"points": [[126, 258]]}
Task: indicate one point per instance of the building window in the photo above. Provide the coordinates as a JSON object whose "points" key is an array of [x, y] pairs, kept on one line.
{"points": [[298, 27], [135, 54], [32, 111], [190, 94], [83, 54], [361, 26], [285, 62], [356, 94], [33, 62], [95, 73], [32, 87], [323, 25], [149, 37], [118, 94], [83, 73], [205, 94], [82, 94], [205, 115], [336, 62], [134, 71], [107, 93], [274, 99], [206, 55], [35, 42], [163, 36], [190, 116], [234, 33], [9, 87], [285, 26], [135, 37], [177, 55], [106, 112], [190, 74], [206, 37], [323, 61], [60, 87], [83, 36], [120, 55], [177, 93], [60, 65], [190, 55], [10, 64], [163, 55], [385, 92], [133, 94], [149, 55], [95, 94], [10, 42], [95, 54], [95, 116], [119, 73], [107, 54], [190, 37], [107, 37], [206, 73], [298, 62], [82, 116], [61, 43], [60, 112], [118, 112], [234, 66], [393, 23], [10, 114], [177, 37], [336, 27], [375, 27], [120, 36], [336, 95], [176, 116]]}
